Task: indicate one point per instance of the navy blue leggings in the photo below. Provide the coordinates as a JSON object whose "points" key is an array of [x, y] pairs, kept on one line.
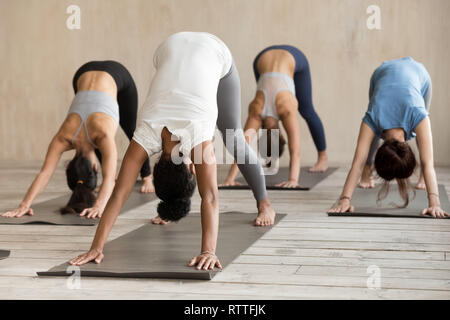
{"points": [[303, 92]]}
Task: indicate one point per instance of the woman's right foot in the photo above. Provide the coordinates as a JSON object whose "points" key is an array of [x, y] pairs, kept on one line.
{"points": [[421, 183], [158, 220], [321, 164], [367, 181], [266, 214], [230, 184]]}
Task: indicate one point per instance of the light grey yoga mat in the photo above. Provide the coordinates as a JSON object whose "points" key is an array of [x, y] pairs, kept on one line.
{"points": [[307, 179], [4, 254], [155, 251], [365, 203], [47, 212]]}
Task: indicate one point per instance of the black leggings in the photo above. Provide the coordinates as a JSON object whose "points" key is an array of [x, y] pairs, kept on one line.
{"points": [[127, 98]]}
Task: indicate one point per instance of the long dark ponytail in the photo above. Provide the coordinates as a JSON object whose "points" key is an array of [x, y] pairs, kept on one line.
{"points": [[82, 180]]}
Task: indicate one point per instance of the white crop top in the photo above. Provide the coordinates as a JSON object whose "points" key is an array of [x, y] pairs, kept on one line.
{"points": [[183, 93]]}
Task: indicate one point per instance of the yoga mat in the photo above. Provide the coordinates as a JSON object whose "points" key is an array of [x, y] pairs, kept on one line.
{"points": [[307, 180], [47, 212], [4, 254], [155, 251], [365, 202]]}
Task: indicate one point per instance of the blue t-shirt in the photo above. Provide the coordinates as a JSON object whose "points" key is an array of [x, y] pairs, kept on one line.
{"points": [[397, 92]]}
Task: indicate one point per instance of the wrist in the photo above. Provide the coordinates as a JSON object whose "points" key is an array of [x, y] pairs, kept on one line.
{"points": [[24, 204], [212, 252], [434, 204], [433, 200], [100, 204], [343, 199], [96, 248]]}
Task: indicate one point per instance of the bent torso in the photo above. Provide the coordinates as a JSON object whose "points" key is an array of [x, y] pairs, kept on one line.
{"points": [[276, 60], [98, 124], [281, 61]]}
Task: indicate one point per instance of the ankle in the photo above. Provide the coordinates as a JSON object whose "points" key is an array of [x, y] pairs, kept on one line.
{"points": [[322, 156], [265, 203]]}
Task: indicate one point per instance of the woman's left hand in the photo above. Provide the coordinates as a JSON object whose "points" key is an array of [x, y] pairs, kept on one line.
{"points": [[435, 212], [92, 213], [288, 184], [205, 261]]}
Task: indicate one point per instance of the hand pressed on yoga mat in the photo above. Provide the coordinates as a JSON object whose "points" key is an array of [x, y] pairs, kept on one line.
{"points": [[95, 255], [342, 206], [19, 212], [205, 261], [435, 212], [92, 213]]}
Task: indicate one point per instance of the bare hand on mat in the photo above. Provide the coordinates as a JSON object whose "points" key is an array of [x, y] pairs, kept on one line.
{"points": [[205, 261], [288, 184], [92, 213], [342, 206], [435, 212], [19, 212], [93, 255]]}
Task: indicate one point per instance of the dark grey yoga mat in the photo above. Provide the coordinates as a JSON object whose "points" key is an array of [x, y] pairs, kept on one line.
{"points": [[365, 202], [4, 254], [307, 179], [154, 251], [47, 212]]}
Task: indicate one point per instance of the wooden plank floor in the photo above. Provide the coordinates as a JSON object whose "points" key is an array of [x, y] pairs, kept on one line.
{"points": [[307, 256]]}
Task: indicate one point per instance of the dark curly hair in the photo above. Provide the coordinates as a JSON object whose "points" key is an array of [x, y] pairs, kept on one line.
{"points": [[395, 160], [174, 185], [82, 180]]}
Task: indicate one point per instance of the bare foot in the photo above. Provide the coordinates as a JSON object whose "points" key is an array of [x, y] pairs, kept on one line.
{"points": [[230, 184], [147, 184], [321, 164], [367, 181], [266, 214], [421, 184], [158, 220]]}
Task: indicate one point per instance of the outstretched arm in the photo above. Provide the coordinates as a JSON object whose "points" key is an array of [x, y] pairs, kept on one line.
{"points": [[132, 163], [292, 127], [107, 147], [206, 173], [365, 138], [251, 127], [54, 152], [425, 144]]}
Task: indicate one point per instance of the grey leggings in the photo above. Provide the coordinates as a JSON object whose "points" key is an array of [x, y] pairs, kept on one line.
{"points": [[376, 142], [229, 117]]}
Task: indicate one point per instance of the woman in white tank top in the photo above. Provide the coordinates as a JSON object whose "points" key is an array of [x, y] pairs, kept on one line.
{"points": [[196, 86]]}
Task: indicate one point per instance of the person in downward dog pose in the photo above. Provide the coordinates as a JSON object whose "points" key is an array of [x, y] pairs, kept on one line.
{"points": [[105, 97], [196, 86], [400, 96], [283, 89]]}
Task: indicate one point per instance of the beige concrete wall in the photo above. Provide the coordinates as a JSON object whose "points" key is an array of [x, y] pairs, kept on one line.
{"points": [[39, 55]]}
